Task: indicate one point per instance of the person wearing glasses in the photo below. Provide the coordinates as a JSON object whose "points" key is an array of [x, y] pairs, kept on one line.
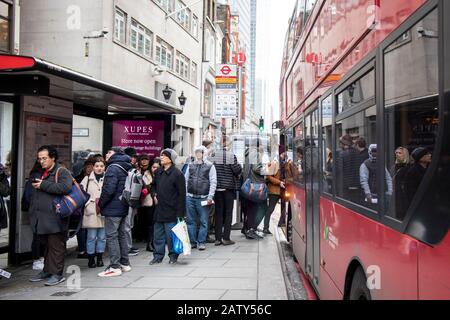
{"points": [[44, 220]]}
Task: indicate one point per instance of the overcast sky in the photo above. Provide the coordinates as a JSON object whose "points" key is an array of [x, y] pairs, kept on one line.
{"points": [[273, 18]]}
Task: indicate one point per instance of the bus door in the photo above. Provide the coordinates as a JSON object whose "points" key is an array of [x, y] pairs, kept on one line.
{"points": [[311, 154]]}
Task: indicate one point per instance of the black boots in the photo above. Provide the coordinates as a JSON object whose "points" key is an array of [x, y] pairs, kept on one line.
{"points": [[100, 260], [91, 263]]}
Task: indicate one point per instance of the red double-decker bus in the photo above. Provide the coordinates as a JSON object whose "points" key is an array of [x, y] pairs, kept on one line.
{"points": [[365, 106]]}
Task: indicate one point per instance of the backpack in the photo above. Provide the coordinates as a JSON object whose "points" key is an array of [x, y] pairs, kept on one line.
{"points": [[131, 195]]}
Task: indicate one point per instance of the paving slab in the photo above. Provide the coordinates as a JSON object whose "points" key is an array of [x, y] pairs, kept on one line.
{"points": [[228, 283], [191, 294]]}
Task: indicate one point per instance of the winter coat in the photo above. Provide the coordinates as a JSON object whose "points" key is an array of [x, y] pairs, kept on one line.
{"points": [[169, 187], [413, 180], [44, 219], [201, 179], [274, 181], [92, 219], [227, 168], [113, 186]]}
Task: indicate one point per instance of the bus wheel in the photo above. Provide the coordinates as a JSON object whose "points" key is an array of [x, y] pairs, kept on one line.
{"points": [[359, 290]]}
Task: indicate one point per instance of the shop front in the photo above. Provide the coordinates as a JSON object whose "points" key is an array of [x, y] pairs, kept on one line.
{"points": [[46, 104]]}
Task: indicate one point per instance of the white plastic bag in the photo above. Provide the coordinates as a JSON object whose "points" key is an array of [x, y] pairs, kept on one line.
{"points": [[181, 231]]}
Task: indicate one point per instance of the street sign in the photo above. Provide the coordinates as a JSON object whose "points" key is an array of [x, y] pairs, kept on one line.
{"points": [[226, 103], [226, 74], [241, 58]]}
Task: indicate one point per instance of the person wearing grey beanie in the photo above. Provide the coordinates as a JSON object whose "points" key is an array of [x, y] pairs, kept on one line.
{"points": [[169, 193]]}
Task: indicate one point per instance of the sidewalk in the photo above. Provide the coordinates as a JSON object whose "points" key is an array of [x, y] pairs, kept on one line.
{"points": [[249, 270]]}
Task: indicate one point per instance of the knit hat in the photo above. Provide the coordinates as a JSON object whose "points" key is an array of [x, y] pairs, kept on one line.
{"points": [[131, 152], [171, 154], [418, 153]]}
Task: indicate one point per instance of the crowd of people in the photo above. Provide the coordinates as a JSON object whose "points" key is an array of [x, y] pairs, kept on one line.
{"points": [[202, 193]]}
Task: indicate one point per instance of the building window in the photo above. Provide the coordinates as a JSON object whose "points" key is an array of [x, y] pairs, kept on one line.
{"points": [[164, 54], [182, 66], [194, 73], [208, 100], [165, 4], [5, 27], [141, 39], [194, 29], [183, 16]]}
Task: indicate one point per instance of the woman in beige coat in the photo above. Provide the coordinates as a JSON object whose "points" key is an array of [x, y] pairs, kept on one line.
{"points": [[92, 219]]}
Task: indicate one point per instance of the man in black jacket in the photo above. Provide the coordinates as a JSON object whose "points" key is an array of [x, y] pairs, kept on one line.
{"points": [[228, 171], [169, 187], [115, 212], [44, 220]]}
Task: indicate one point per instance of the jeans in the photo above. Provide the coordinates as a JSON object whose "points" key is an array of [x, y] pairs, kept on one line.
{"points": [[162, 236], [129, 224], [273, 200], [118, 240], [196, 211], [224, 214], [96, 240]]}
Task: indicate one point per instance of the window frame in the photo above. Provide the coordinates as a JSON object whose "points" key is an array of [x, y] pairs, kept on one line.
{"points": [[117, 12], [161, 44], [146, 34], [10, 23], [422, 13]]}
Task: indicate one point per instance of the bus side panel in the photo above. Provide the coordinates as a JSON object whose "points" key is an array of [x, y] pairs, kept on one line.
{"points": [[327, 288], [298, 207], [388, 257], [434, 278]]}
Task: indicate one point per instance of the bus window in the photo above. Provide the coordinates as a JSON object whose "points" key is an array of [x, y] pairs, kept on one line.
{"points": [[412, 110], [356, 159], [358, 92], [326, 146], [295, 168]]}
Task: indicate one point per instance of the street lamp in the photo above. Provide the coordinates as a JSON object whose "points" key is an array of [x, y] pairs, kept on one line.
{"points": [[182, 99], [167, 93]]}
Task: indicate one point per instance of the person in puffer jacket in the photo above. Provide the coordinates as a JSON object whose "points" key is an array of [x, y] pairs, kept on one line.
{"points": [[201, 184], [115, 212]]}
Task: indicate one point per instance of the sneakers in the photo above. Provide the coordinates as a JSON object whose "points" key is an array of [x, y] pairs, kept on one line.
{"points": [[228, 242], [40, 277], [173, 260], [55, 280], [125, 268], [110, 272], [194, 246], [133, 252], [155, 261], [202, 247], [218, 243], [38, 264]]}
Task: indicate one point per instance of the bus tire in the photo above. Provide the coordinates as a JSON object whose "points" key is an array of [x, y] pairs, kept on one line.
{"points": [[359, 290]]}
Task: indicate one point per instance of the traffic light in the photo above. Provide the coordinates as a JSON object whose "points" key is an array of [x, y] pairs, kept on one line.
{"points": [[261, 124]]}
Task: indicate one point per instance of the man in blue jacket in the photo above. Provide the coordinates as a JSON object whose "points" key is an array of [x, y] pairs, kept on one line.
{"points": [[115, 212]]}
